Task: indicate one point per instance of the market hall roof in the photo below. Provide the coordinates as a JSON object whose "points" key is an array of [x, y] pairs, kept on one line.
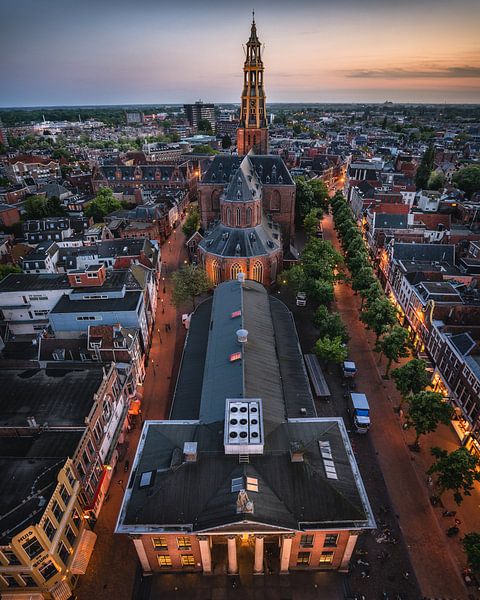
{"points": [[167, 493]]}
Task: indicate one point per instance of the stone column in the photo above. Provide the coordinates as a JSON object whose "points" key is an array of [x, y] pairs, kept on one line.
{"points": [[142, 555], [285, 553], [205, 553], [352, 540], [232, 555], [258, 565]]}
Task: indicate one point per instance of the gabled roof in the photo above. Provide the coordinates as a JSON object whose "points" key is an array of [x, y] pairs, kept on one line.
{"points": [[424, 252], [244, 186]]}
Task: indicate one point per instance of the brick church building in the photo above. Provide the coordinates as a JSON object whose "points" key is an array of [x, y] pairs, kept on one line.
{"points": [[247, 202]]}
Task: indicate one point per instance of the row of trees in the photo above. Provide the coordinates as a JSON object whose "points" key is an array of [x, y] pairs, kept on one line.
{"points": [[311, 194], [377, 312]]}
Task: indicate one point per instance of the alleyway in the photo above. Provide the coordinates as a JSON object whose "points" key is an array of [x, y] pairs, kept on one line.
{"points": [[432, 552], [113, 566]]}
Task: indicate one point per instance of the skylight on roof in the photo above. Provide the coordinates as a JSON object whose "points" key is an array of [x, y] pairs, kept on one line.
{"points": [[146, 479], [329, 465], [252, 484], [235, 314], [235, 356], [237, 484]]}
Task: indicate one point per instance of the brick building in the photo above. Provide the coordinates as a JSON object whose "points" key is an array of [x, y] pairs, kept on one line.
{"points": [[244, 469]]}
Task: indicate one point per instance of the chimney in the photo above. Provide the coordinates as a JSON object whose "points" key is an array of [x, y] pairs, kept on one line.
{"points": [[296, 452], [241, 277], [32, 422], [190, 451], [242, 335]]}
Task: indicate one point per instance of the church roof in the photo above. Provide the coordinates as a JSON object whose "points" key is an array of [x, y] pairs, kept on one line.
{"points": [[245, 185], [270, 169]]}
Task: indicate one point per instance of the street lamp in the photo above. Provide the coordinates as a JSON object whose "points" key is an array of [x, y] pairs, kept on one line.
{"points": [[164, 290], [120, 483], [153, 365], [163, 306], [169, 246], [160, 336]]}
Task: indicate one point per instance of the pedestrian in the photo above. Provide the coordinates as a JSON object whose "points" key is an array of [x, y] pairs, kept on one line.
{"points": [[166, 327]]}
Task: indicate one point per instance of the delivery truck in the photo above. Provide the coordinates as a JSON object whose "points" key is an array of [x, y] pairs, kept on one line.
{"points": [[359, 411]]}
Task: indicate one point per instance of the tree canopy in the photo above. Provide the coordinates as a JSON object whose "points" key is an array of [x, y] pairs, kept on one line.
{"points": [[424, 169], [412, 377], [471, 545], [330, 324], [468, 179], [204, 126], [378, 315], [393, 345], [192, 223], [7, 269], [456, 471], [40, 207], [331, 349], [226, 141], [188, 283], [103, 204], [425, 411], [310, 194]]}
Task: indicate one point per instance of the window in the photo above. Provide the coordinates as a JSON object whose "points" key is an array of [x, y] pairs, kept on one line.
{"points": [[11, 557], [70, 535], [64, 495], [235, 270], [32, 547], [303, 558], [78, 279], [252, 484], [10, 580], [49, 529], [306, 541], [28, 580], [235, 356], [183, 543], [326, 558], [164, 560], [48, 570], [90, 448], [249, 216], [64, 553], [237, 217], [257, 272], [91, 275], [237, 484], [187, 560], [57, 511], [160, 543], [216, 272], [76, 518], [71, 477], [331, 540], [88, 318]]}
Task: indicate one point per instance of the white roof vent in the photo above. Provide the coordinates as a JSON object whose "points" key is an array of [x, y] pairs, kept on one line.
{"points": [[243, 426], [242, 335], [190, 451], [241, 277]]}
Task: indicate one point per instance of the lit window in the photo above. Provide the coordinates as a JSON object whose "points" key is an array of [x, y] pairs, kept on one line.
{"points": [[252, 484], [160, 543], [48, 570], [32, 547], [326, 558], [49, 529], [164, 560], [306, 541], [187, 560], [303, 558], [184, 543], [237, 313], [235, 356]]}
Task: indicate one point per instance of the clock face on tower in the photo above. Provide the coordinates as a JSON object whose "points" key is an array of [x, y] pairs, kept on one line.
{"points": [[252, 103]]}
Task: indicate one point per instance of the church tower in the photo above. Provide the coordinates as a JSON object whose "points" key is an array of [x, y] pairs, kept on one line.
{"points": [[253, 129]]}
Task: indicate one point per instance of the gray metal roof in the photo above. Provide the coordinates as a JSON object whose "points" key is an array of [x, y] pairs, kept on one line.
{"points": [[243, 242], [424, 252]]}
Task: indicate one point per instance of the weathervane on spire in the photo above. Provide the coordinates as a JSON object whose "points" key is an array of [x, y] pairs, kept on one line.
{"points": [[253, 16]]}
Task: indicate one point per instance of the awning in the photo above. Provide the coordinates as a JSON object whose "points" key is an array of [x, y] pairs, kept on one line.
{"points": [[83, 552], [24, 596], [61, 591]]}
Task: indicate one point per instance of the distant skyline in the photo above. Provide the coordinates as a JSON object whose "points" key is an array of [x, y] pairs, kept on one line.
{"points": [[72, 52]]}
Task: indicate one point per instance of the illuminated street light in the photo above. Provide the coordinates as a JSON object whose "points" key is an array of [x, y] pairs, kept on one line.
{"points": [[163, 306], [120, 483], [164, 290]]}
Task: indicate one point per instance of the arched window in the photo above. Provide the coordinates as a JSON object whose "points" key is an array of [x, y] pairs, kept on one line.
{"points": [[215, 197], [275, 203], [237, 217], [229, 216], [249, 216], [216, 272], [274, 270], [257, 272], [235, 270]]}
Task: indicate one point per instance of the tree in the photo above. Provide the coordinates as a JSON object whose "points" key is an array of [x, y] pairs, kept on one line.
{"points": [[457, 471], [204, 126], [294, 278], [320, 192], [40, 207], [304, 199], [310, 222], [436, 181], [188, 283], [411, 378], [103, 204], [471, 545], [331, 349], [393, 345], [373, 292], [226, 141], [330, 324], [204, 149], [192, 223], [468, 179], [424, 169], [378, 315], [7, 269], [320, 290], [425, 411], [363, 278]]}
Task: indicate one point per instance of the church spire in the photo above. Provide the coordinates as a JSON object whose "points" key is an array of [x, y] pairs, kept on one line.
{"points": [[253, 130]]}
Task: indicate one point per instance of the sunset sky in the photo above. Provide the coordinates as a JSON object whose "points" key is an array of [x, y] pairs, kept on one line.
{"points": [[69, 52]]}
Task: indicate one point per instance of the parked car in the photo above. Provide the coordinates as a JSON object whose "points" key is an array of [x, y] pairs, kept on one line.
{"points": [[301, 299]]}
